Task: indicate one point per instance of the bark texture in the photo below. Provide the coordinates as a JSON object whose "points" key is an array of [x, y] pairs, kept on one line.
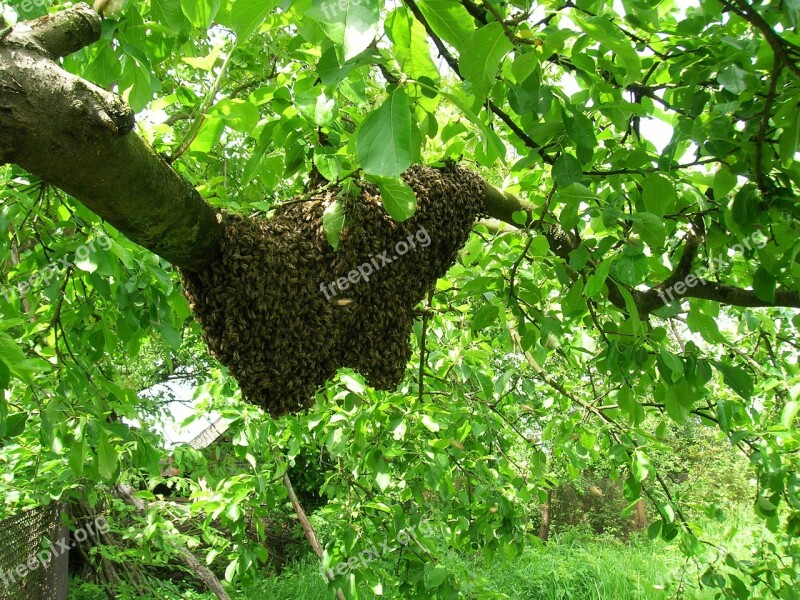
{"points": [[79, 138]]}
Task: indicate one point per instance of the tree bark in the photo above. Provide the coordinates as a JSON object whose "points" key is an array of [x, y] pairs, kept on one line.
{"points": [[544, 528], [641, 515], [79, 138]]}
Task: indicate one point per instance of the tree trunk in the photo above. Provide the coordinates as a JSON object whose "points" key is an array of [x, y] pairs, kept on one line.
{"points": [[544, 528], [641, 515]]}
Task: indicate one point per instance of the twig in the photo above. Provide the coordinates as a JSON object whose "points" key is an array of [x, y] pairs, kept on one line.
{"points": [[204, 108], [308, 529], [761, 179], [423, 337]]}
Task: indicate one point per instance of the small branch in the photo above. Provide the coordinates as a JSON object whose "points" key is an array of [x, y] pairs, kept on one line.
{"points": [[422, 344], [210, 580], [761, 178], [308, 529], [702, 161], [783, 49], [204, 108], [513, 38], [684, 266], [453, 63]]}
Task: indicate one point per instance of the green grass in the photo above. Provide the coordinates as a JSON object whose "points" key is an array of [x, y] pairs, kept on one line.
{"points": [[597, 568], [572, 566]]}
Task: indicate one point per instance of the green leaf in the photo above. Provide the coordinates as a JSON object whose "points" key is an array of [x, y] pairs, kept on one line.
{"points": [[18, 365], [595, 281], [650, 228], [384, 141], [106, 456], [247, 15], [105, 68], [13, 425], [481, 58], [567, 170], [678, 401], [724, 182], [232, 569], [640, 465], [701, 323], [789, 141], [485, 317], [449, 20], [733, 79], [328, 163], [410, 45], [630, 269], [238, 114], [200, 12], [332, 222], [724, 415], [382, 476], [170, 14], [397, 196], [350, 24], [611, 38], [78, 452], [745, 210], [659, 195], [430, 424], [435, 575], [633, 311], [737, 379], [764, 285]]}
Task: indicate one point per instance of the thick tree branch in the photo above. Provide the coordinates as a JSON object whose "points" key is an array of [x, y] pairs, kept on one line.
{"points": [[78, 137], [502, 206], [683, 284]]}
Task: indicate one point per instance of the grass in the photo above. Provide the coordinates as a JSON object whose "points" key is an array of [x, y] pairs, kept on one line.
{"points": [[573, 566]]}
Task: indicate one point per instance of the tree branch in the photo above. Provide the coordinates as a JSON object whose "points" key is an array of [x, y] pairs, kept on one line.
{"points": [[203, 573], [785, 50], [79, 137], [308, 529], [453, 63]]}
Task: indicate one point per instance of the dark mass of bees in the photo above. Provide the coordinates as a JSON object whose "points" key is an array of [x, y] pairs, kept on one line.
{"points": [[263, 309]]}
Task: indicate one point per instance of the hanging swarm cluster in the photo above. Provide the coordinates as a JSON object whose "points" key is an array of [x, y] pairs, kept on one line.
{"points": [[271, 316]]}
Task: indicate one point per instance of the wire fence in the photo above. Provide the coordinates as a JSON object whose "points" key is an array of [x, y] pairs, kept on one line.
{"points": [[34, 546]]}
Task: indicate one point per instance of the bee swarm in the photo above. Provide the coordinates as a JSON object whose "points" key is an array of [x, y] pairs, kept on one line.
{"points": [[266, 318]]}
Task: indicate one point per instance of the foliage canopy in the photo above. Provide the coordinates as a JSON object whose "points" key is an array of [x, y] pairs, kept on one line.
{"points": [[672, 314]]}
